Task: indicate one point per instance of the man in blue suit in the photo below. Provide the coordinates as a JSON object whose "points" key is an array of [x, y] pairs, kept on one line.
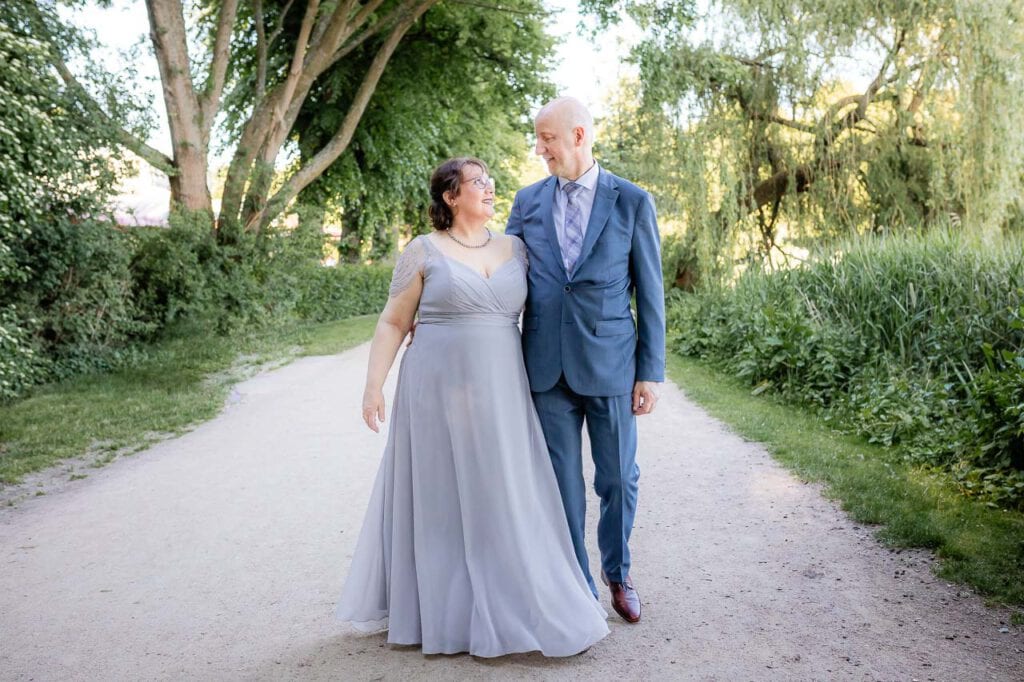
{"points": [[592, 240]]}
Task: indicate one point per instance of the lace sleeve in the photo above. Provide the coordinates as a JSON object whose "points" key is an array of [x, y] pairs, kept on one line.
{"points": [[408, 267], [519, 249]]}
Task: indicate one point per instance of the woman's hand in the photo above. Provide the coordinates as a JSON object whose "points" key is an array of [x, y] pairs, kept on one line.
{"points": [[373, 408]]}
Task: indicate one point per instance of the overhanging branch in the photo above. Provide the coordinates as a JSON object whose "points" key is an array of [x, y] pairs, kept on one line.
{"points": [[214, 87], [341, 139], [152, 156]]}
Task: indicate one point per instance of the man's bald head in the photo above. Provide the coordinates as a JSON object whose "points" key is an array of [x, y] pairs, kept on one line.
{"points": [[565, 137], [571, 113]]}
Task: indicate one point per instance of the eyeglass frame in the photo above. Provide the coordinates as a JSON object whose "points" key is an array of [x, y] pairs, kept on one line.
{"points": [[489, 182]]}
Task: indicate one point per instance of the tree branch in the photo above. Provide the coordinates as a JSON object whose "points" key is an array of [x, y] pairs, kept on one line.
{"points": [[319, 58], [775, 118], [378, 27], [333, 20], [330, 31], [150, 155], [248, 148], [339, 143], [261, 49], [364, 14], [214, 86], [280, 22], [299, 57], [501, 8], [369, 32]]}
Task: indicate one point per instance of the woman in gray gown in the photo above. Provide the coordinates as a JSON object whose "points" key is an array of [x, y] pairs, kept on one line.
{"points": [[465, 546]]}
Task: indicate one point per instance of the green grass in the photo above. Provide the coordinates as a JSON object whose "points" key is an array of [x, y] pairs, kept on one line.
{"points": [[976, 544], [184, 382]]}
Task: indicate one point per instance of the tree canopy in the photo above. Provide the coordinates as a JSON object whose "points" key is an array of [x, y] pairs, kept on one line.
{"points": [[461, 83], [749, 135], [292, 83]]}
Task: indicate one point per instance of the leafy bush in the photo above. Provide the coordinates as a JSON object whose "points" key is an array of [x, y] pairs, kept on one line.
{"points": [[343, 291], [78, 293], [18, 364], [99, 295], [270, 278], [914, 342], [64, 277], [169, 278]]}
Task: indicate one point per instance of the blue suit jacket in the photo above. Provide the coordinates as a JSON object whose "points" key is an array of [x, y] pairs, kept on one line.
{"points": [[581, 324]]}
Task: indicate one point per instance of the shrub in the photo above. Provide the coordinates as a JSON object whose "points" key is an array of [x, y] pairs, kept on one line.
{"points": [[914, 342], [64, 278], [18, 363], [270, 278], [343, 291]]}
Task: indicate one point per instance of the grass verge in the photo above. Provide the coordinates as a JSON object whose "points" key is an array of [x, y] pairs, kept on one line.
{"points": [[976, 544], [184, 381]]}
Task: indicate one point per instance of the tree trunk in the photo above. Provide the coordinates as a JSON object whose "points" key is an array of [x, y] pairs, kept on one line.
{"points": [[324, 38], [189, 189]]}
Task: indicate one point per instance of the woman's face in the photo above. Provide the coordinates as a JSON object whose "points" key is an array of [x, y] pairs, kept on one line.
{"points": [[476, 193]]}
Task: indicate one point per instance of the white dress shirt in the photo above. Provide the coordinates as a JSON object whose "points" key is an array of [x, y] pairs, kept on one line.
{"points": [[585, 199]]}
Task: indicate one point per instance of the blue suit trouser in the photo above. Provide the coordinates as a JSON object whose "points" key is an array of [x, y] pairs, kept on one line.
{"points": [[611, 425]]}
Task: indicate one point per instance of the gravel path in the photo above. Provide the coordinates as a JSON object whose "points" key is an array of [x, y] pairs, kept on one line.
{"points": [[219, 555]]}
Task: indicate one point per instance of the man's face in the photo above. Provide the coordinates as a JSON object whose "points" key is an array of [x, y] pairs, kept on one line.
{"points": [[556, 144]]}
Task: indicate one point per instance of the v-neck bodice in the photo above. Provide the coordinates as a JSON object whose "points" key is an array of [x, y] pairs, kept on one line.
{"points": [[457, 293]]}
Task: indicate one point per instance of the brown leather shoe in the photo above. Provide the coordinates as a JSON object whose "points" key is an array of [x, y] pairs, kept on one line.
{"points": [[625, 598]]}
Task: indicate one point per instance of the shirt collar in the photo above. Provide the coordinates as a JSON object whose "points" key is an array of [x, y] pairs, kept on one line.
{"points": [[588, 180]]}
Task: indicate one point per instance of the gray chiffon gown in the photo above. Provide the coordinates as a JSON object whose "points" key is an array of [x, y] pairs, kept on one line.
{"points": [[465, 546]]}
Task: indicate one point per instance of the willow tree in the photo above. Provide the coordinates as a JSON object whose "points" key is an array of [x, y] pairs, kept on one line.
{"points": [[745, 124], [194, 81]]}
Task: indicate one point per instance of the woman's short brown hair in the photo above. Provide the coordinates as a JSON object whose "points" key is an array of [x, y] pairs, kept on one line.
{"points": [[448, 178]]}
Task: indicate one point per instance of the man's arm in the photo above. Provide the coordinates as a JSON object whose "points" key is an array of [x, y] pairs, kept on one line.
{"points": [[645, 264]]}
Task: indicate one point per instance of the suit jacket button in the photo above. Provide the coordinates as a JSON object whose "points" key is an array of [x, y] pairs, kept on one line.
{"points": [[568, 288]]}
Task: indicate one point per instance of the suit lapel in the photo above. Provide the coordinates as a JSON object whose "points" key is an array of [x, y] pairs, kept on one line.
{"points": [[604, 200], [547, 197]]}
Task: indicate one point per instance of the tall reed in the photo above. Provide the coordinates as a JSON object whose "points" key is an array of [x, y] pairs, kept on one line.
{"points": [[917, 342]]}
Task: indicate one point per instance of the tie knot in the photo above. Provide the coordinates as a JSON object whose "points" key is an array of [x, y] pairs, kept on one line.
{"points": [[570, 188]]}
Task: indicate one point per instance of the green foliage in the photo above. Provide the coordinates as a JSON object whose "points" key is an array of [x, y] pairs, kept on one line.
{"points": [[916, 343], [269, 278], [461, 82], [343, 291], [83, 317], [763, 126], [18, 365], [168, 269], [64, 275]]}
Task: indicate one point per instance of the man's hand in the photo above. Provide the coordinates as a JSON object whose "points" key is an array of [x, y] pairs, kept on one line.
{"points": [[644, 397], [373, 408]]}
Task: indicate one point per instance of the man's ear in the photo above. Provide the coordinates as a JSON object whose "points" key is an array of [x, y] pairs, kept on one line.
{"points": [[579, 135]]}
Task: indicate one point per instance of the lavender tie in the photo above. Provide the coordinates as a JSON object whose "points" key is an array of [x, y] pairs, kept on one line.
{"points": [[573, 225]]}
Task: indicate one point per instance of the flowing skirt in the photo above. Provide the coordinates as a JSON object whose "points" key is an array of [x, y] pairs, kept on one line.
{"points": [[465, 546]]}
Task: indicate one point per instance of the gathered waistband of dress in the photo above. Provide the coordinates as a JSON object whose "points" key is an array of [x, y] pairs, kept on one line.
{"points": [[495, 319]]}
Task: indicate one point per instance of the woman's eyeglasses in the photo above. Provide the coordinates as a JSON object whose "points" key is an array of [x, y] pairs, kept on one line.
{"points": [[481, 182]]}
